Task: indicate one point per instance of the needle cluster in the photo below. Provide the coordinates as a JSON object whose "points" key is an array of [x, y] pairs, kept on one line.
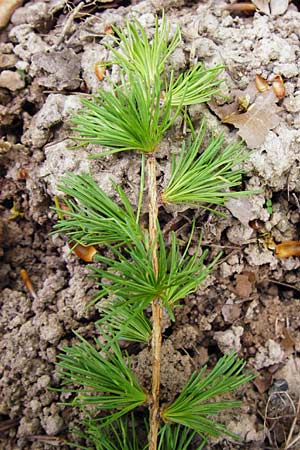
{"points": [[137, 267]]}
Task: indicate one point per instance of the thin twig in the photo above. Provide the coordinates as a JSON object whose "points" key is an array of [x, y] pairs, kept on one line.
{"points": [[270, 280], [50, 440], [290, 443], [240, 7], [266, 417], [68, 24], [296, 201], [8, 424], [156, 306]]}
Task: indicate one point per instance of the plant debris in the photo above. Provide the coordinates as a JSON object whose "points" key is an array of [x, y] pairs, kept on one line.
{"points": [[261, 84], [28, 283], [240, 7], [278, 87], [260, 117], [244, 284], [287, 249], [86, 253], [99, 69], [15, 212]]}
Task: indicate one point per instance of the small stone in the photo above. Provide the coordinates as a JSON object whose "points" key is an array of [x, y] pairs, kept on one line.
{"points": [[7, 61], [43, 381], [230, 339], [279, 385], [292, 104], [35, 406], [7, 7], [53, 425], [269, 355], [29, 426], [288, 70], [52, 331], [11, 80], [241, 208], [57, 69]]}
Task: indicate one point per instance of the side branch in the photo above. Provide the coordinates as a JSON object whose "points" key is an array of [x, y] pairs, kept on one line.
{"points": [[156, 306]]}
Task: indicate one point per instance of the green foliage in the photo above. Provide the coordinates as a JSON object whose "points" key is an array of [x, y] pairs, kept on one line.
{"points": [[92, 217], [134, 116], [197, 85], [125, 321], [176, 437], [130, 274], [136, 54], [122, 435], [119, 435], [206, 178], [129, 118], [104, 379], [196, 402], [269, 206], [184, 273]]}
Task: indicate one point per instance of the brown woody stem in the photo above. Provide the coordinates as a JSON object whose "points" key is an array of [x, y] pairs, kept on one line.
{"points": [[156, 306]]}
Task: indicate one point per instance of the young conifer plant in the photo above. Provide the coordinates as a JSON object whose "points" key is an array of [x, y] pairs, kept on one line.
{"points": [[144, 269]]}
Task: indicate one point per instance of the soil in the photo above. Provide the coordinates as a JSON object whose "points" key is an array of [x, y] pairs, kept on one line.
{"points": [[251, 302]]}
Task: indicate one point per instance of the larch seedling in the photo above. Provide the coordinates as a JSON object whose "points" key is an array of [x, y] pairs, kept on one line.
{"points": [[141, 270]]}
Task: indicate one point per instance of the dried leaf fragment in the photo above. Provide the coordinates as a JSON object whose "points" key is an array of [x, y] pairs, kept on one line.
{"points": [[108, 29], [244, 286], [255, 123], [237, 7], [278, 87], [28, 283], [86, 253], [263, 382], [99, 69], [287, 343], [287, 249], [261, 83]]}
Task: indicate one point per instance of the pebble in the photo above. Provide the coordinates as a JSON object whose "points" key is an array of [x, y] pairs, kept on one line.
{"points": [[7, 61], [11, 80]]}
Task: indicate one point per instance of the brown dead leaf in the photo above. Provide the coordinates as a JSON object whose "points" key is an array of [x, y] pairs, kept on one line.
{"points": [[255, 123], [263, 382], [244, 286]]}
